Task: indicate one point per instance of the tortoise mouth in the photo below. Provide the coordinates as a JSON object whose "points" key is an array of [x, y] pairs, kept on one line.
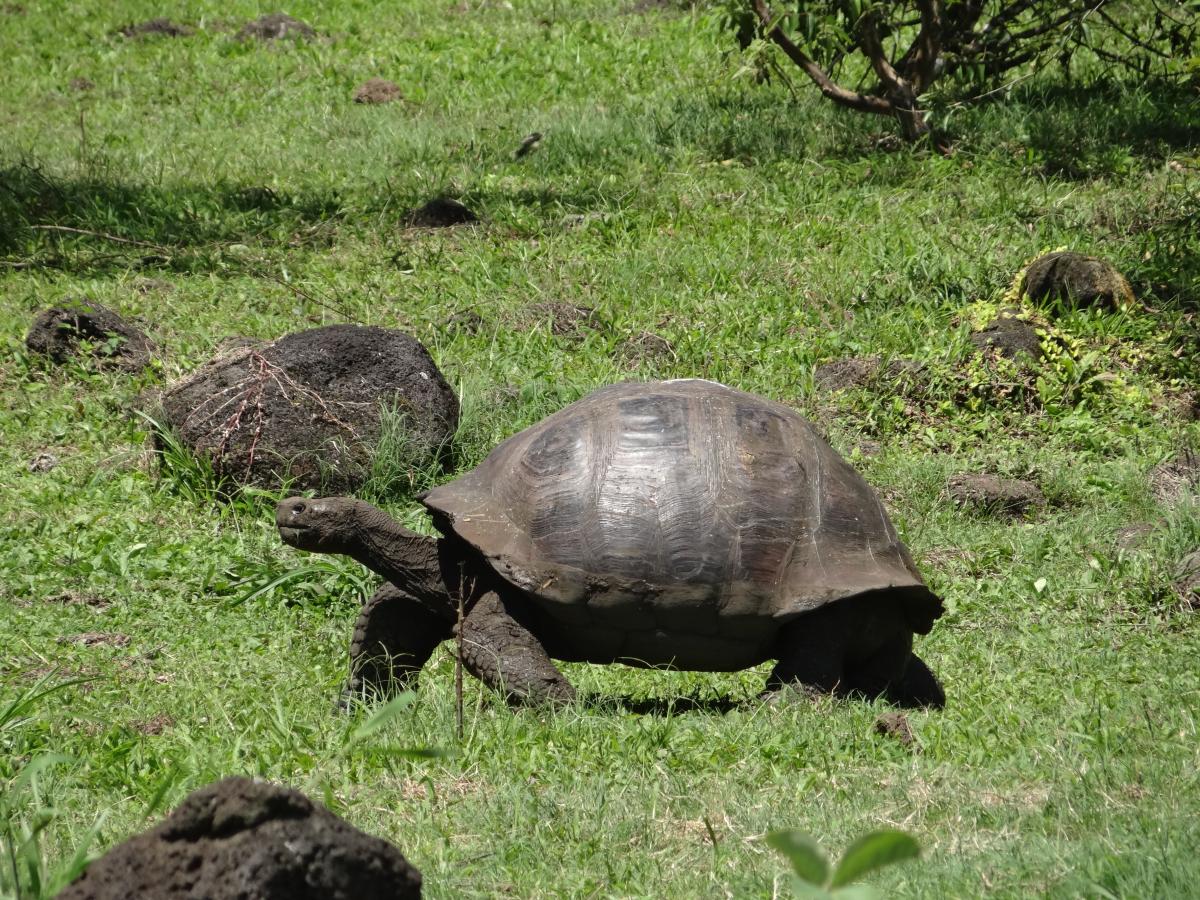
{"points": [[293, 535]]}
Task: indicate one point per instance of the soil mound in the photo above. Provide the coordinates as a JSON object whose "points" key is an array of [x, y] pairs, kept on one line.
{"points": [[239, 838], [992, 494], [1078, 280], [276, 26], [81, 326], [1009, 336], [313, 406], [377, 90], [440, 212]]}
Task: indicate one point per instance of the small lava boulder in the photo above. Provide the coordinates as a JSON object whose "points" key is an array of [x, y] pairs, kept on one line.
{"points": [[990, 493], [314, 406], [1010, 336], [78, 326], [238, 839], [1078, 280]]}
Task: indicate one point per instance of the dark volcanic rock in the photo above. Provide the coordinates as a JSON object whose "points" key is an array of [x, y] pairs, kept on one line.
{"points": [[275, 26], [1177, 478], [310, 406], [377, 90], [58, 331], [1081, 281], [440, 212], [865, 371], [1009, 336], [239, 839], [990, 493]]}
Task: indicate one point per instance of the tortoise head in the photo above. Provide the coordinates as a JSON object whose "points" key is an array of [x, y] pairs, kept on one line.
{"points": [[323, 525]]}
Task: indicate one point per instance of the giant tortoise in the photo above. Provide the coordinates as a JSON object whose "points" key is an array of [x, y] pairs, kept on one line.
{"points": [[678, 524]]}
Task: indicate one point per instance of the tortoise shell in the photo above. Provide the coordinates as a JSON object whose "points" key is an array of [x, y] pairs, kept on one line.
{"points": [[687, 514]]}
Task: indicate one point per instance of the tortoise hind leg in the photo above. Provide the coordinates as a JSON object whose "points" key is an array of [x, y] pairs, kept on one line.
{"points": [[508, 657], [896, 673], [810, 660], [393, 638]]}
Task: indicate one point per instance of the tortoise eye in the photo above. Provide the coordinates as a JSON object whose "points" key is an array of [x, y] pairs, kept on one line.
{"points": [[298, 507]]}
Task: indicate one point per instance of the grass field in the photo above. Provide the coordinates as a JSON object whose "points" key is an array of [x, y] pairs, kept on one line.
{"points": [[677, 220]]}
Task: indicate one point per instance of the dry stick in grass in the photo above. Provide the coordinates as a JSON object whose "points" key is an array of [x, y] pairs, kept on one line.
{"points": [[100, 234]]}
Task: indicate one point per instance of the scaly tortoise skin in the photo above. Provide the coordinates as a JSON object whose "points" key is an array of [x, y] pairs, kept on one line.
{"points": [[679, 523]]}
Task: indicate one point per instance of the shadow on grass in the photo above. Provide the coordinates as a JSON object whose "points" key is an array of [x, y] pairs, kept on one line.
{"points": [[37, 209], [665, 706], [1083, 130]]}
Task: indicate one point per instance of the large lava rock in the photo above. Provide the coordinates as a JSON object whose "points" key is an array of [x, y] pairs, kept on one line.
{"points": [[1078, 280], [239, 839], [61, 332], [313, 406]]}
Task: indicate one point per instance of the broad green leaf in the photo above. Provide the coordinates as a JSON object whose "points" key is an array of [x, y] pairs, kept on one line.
{"points": [[807, 860], [873, 851]]}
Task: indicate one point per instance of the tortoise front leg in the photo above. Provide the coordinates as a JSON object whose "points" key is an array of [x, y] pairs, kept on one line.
{"points": [[508, 657], [393, 638]]}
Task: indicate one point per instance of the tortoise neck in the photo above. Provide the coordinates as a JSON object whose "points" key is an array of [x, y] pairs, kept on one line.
{"points": [[408, 560]]}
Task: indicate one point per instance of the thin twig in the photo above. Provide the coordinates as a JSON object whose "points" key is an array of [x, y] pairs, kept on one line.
{"points": [[102, 234]]}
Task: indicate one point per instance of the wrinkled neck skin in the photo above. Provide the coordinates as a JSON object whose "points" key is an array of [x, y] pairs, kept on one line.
{"points": [[408, 560]]}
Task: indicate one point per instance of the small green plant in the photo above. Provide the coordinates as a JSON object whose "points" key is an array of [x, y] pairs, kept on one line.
{"points": [[813, 876]]}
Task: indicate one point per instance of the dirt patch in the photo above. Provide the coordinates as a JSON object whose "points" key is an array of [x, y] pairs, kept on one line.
{"points": [[12, 9], [995, 495], [155, 724], [1175, 480], [562, 318], [81, 84], [43, 462], [468, 321], [440, 212], [152, 286], [377, 90], [312, 406], [1132, 537], [869, 372], [97, 639], [1077, 280], [81, 598], [155, 28], [81, 326], [648, 348], [1009, 336], [274, 27], [895, 725], [1187, 580], [239, 838]]}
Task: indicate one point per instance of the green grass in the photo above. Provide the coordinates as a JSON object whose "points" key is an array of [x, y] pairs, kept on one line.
{"points": [[758, 237]]}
